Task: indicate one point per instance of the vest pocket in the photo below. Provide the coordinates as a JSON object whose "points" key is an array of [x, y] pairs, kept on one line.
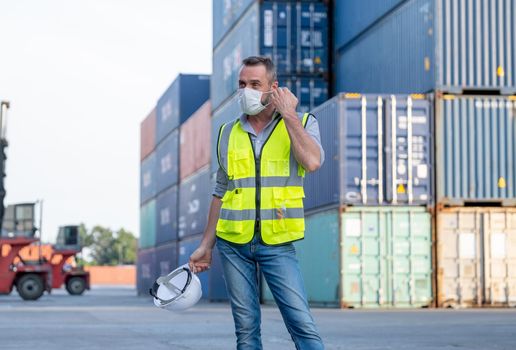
{"points": [[277, 167], [285, 198], [239, 163], [230, 220]]}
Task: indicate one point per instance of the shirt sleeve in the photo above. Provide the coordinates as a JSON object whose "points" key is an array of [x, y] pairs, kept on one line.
{"points": [[312, 128], [221, 183]]}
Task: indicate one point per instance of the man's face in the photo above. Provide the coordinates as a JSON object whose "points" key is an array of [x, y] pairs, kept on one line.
{"points": [[256, 77]]}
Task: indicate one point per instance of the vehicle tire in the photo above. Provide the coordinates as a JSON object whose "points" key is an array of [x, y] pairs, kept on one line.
{"points": [[76, 285], [30, 286]]}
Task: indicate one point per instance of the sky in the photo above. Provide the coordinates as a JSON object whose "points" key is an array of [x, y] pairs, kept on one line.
{"points": [[80, 76]]}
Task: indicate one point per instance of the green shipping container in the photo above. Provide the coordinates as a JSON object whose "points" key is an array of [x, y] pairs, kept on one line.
{"points": [[371, 257], [148, 224]]}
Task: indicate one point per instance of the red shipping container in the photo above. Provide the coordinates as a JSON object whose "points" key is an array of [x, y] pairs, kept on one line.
{"points": [[195, 141], [148, 134]]}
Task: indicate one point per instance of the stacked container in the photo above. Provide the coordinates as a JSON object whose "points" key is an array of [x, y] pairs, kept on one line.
{"points": [[463, 53], [294, 34], [368, 239]]}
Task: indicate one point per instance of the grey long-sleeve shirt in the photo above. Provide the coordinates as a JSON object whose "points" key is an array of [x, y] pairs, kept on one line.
{"points": [[312, 128]]}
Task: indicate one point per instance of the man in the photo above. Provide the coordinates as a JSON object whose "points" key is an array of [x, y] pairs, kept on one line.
{"points": [[257, 209]]}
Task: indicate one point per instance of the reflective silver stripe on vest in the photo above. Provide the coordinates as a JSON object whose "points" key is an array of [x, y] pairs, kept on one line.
{"points": [[265, 214], [267, 181]]}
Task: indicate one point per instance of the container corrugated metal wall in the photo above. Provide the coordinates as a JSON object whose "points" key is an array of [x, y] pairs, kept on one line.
{"points": [[186, 248], [148, 178], [166, 216], [452, 46], [194, 198], [362, 166], [351, 17], [476, 149], [225, 14], [148, 224], [476, 256], [166, 258], [194, 141], [319, 259], [386, 257], [293, 35], [145, 271], [148, 134], [167, 163], [178, 102]]}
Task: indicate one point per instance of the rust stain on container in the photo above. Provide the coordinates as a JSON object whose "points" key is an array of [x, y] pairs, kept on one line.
{"points": [[194, 144]]}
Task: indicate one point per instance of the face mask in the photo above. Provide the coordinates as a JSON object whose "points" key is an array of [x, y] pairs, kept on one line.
{"points": [[251, 101]]}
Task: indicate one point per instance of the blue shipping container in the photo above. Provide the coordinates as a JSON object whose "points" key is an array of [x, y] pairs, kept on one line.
{"points": [[166, 216], [378, 150], [166, 258], [428, 45], [194, 202], [167, 163], [186, 248], [148, 180], [352, 17], [294, 35], [225, 14], [183, 97], [145, 271], [475, 149]]}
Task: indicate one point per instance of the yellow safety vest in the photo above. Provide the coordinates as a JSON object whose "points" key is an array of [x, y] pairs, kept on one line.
{"points": [[265, 194]]}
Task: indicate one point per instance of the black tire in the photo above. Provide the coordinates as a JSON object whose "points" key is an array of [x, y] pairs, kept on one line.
{"points": [[76, 285], [30, 286]]}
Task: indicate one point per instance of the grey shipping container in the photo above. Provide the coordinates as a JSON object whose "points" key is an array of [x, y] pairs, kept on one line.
{"points": [[475, 149], [166, 216], [167, 162], [476, 256], [166, 258], [426, 45], [367, 257], [145, 270], [183, 97], [294, 35], [194, 202], [378, 150], [148, 180]]}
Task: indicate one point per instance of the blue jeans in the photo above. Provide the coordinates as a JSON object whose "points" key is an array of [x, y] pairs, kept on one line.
{"points": [[281, 271]]}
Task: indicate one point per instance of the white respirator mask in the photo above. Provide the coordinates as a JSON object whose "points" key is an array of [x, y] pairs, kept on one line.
{"points": [[251, 100]]}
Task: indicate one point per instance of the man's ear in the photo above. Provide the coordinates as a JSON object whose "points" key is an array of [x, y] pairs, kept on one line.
{"points": [[274, 85]]}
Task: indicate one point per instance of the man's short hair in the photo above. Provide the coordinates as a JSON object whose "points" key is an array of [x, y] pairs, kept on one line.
{"points": [[262, 60]]}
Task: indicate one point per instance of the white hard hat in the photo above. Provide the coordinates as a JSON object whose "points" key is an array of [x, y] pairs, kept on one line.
{"points": [[179, 290]]}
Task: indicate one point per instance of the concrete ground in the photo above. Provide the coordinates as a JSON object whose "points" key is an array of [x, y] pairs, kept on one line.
{"points": [[114, 318]]}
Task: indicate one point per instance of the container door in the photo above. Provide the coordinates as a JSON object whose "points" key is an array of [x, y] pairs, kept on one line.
{"points": [[363, 262], [500, 257], [362, 151], [459, 258], [408, 150], [409, 247]]}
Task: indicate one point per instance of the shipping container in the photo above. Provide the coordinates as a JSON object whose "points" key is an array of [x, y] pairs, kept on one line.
{"points": [[310, 91], [167, 163], [475, 149], [195, 193], [194, 141], [148, 134], [225, 14], [294, 35], [367, 257], [378, 150], [166, 258], [319, 259], [217, 283], [426, 45], [183, 97], [166, 216], [148, 180], [186, 248], [145, 270], [148, 224], [352, 17], [476, 256]]}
